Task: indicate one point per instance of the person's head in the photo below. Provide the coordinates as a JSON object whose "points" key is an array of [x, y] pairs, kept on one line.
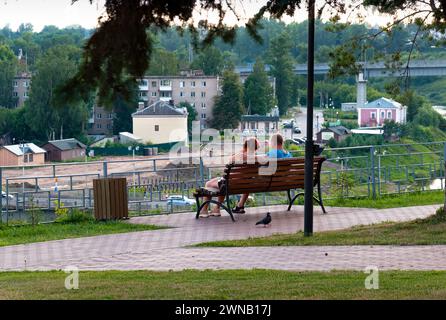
{"points": [[276, 141], [251, 145]]}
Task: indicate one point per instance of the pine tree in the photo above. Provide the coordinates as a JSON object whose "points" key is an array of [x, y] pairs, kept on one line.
{"points": [[282, 65], [258, 93], [229, 105]]}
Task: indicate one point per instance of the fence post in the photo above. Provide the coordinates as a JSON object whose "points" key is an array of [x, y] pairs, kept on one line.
{"points": [[372, 167], [104, 169]]}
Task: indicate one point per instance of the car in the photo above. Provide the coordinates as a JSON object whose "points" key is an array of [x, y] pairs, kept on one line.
{"points": [[179, 200], [296, 142], [297, 130], [11, 198]]}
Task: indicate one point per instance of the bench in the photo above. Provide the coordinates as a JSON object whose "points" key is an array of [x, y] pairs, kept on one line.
{"points": [[247, 178]]}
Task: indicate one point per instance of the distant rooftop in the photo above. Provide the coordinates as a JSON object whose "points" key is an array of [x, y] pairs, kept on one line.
{"points": [[19, 149], [160, 108], [383, 103], [67, 144]]}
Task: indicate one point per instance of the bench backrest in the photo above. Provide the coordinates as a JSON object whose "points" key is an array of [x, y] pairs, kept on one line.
{"points": [[288, 174]]}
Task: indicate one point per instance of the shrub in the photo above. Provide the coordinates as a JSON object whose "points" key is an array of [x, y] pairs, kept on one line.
{"points": [[76, 216]]}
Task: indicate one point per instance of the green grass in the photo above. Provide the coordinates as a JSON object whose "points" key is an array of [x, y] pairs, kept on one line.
{"points": [[428, 231], [227, 284], [391, 201], [11, 235]]}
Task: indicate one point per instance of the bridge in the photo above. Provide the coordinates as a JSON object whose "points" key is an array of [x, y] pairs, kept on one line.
{"points": [[417, 68]]}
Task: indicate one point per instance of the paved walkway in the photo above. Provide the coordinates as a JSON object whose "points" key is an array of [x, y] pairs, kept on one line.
{"points": [[165, 249]]}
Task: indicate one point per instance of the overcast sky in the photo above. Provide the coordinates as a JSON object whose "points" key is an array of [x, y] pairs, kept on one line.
{"points": [[61, 13]]}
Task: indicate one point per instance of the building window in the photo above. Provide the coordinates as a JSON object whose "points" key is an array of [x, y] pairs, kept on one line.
{"points": [[382, 115], [165, 82], [15, 94], [154, 84], [165, 94], [192, 84], [203, 83], [29, 157], [181, 94], [389, 115], [25, 84], [25, 94], [182, 84], [108, 126], [143, 94], [16, 84], [143, 83], [98, 115], [373, 115], [110, 115], [203, 94], [203, 105], [203, 116], [99, 126], [153, 94], [157, 127], [192, 94]]}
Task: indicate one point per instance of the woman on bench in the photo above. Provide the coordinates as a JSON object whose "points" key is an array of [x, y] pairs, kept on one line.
{"points": [[248, 152], [276, 151]]}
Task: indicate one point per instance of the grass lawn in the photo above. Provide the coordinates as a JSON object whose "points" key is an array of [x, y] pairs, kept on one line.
{"points": [[226, 284], [391, 201], [428, 231], [11, 235]]}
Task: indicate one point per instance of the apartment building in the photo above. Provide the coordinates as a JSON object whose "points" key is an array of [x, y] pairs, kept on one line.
{"points": [[100, 122], [20, 88], [192, 87]]}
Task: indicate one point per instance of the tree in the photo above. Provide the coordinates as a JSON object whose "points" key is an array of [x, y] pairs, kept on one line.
{"points": [[163, 63], [8, 66], [282, 65], [258, 93], [413, 102], [191, 114], [120, 44], [210, 60], [46, 113], [122, 112], [228, 107]]}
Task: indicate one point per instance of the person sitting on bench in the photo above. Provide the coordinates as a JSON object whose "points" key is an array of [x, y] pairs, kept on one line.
{"points": [[276, 152], [248, 153]]}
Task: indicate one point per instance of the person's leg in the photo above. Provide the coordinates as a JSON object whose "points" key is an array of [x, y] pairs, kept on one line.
{"points": [[213, 183], [216, 211], [240, 208]]}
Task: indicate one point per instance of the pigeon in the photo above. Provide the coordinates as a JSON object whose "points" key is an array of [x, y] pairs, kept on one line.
{"points": [[265, 221]]}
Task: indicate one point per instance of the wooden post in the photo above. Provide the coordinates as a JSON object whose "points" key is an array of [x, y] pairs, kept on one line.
{"points": [[110, 198]]}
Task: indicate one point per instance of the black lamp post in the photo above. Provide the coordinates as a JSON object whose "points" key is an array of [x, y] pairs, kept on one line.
{"points": [[308, 182]]}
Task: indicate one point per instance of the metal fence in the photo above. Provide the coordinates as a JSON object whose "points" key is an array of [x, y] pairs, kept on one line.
{"points": [[365, 171]]}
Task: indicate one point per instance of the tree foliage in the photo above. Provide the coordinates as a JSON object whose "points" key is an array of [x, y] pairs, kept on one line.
{"points": [[228, 107], [258, 93], [8, 67]]}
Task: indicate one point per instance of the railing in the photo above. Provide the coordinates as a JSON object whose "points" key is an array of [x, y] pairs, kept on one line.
{"points": [[365, 171]]}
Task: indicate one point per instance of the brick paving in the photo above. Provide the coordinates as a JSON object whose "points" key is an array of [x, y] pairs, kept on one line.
{"points": [[165, 249]]}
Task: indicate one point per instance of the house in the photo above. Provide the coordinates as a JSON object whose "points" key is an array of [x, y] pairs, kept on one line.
{"points": [[62, 150], [264, 124], [127, 137], [161, 122], [21, 154], [100, 122], [374, 113], [338, 133]]}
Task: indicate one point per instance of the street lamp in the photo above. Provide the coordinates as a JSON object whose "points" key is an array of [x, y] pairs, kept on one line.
{"points": [[337, 115], [134, 181]]}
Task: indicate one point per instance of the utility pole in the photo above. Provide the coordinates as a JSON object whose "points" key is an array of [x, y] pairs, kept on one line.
{"points": [[308, 182]]}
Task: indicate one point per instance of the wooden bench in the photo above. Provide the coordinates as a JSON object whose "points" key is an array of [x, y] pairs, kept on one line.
{"points": [[254, 178]]}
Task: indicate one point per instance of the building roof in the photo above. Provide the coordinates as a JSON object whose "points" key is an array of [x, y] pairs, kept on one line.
{"points": [[17, 149], [339, 130], [383, 103], [160, 108], [67, 144], [257, 117]]}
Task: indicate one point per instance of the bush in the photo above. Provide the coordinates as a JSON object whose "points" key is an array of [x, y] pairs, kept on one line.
{"points": [[439, 216], [75, 216]]}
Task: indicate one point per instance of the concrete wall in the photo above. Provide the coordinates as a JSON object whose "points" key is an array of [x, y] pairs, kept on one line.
{"points": [[171, 128]]}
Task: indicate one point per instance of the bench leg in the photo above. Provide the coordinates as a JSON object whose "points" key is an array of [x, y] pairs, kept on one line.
{"points": [[317, 199], [227, 208], [294, 199], [319, 194], [197, 198], [228, 202]]}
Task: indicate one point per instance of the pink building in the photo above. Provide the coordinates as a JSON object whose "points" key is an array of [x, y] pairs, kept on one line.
{"points": [[375, 113]]}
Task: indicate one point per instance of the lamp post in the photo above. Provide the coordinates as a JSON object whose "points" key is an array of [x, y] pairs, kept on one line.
{"points": [[308, 180], [337, 115], [134, 180]]}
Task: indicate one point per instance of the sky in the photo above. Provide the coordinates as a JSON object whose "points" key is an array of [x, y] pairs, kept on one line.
{"points": [[62, 14]]}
